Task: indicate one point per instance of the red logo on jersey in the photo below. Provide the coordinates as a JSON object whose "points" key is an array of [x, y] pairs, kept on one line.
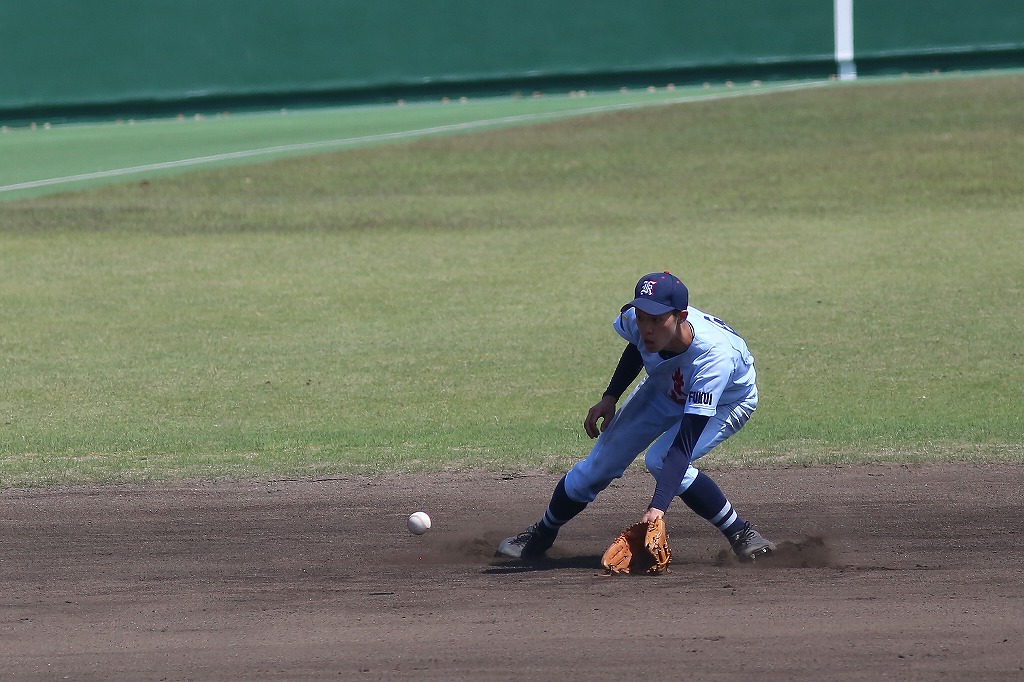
{"points": [[678, 392]]}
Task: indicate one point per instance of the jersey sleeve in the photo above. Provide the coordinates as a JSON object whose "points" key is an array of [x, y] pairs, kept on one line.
{"points": [[709, 382], [626, 327]]}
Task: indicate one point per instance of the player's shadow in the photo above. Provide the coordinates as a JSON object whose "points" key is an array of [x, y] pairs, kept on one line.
{"points": [[545, 563]]}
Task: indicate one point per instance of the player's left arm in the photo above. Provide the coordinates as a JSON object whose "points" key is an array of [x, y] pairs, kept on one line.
{"points": [[677, 459], [707, 386]]}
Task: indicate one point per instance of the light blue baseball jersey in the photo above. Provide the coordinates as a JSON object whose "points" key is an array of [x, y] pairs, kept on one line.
{"points": [[716, 368]]}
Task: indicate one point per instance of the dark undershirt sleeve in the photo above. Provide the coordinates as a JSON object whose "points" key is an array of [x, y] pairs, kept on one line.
{"points": [[677, 460], [626, 371]]}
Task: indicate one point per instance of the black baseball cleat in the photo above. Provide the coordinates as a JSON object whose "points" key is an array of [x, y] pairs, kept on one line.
{"points": [[748, 544], [532, 542]]}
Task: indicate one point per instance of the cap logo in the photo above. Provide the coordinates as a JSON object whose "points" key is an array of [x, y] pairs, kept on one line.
{"points": [[648, 288]]}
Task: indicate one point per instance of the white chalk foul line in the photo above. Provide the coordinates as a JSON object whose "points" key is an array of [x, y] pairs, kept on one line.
{"points": [[385, 137]]}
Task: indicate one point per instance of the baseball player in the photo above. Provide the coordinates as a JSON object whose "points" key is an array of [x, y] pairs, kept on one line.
{"points": [[699, 390]]}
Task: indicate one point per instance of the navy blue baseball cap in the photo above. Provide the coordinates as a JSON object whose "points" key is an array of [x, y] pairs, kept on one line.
{"points": [[659, 293]]}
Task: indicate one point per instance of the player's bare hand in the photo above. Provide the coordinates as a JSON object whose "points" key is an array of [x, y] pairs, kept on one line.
{"points": [[652, 515], [599, 416]]}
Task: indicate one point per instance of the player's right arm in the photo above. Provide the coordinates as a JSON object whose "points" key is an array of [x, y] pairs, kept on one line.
{"points": [[628, 369]]}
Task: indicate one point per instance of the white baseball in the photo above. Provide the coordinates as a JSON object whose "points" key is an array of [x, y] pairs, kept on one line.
{"points": [[419, 523]]}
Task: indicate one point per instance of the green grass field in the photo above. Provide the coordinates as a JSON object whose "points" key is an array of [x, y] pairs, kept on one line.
{"points": [[446, 301]]}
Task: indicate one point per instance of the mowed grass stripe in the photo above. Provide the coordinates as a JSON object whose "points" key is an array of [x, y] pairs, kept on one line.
{"points": [[91, 153]]}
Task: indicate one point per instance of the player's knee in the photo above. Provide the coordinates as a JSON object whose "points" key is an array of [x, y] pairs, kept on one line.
{"points": [[584, 481], [577, 486], [688, 478]]}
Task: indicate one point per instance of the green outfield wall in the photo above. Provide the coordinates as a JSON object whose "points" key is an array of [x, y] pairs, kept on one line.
{"points": [[67, 56], [894, 33]]}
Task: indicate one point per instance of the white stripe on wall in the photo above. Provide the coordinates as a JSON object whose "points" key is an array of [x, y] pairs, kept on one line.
{"points": [[844, 39]]}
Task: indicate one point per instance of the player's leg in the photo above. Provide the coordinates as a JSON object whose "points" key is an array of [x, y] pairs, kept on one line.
{"points": [[635, 425], [707, 500], [700, 492]]}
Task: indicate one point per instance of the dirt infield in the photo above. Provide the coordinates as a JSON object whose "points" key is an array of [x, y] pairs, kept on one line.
{"points": [[884, 572]]}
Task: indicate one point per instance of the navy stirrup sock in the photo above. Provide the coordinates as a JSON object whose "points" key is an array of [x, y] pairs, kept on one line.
{"points": [[708, 501], [561, 509]]}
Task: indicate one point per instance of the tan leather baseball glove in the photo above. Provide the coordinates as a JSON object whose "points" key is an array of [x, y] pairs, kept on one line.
{"points": [[640, 549]]}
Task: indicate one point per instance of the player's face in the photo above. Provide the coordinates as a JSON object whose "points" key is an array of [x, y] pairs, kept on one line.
{"points": [[657, 331]]}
